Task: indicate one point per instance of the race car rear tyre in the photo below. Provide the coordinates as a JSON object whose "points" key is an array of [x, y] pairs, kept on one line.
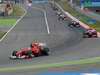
{"points": [[94, 36], [36, 54], [45, 51], [86, 36], [29, 54]]}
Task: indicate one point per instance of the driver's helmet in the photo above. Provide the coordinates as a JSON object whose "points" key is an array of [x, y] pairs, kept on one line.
{"points": [[34, 44]]}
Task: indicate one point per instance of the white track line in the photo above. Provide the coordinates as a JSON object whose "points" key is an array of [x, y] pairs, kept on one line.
{"points": [[45, 16], [46, 22], [14, 25]]}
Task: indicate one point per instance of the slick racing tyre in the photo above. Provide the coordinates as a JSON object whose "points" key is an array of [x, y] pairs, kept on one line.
{"points": [[29, 54], [14, 53], [45, 51], [86, 36]]}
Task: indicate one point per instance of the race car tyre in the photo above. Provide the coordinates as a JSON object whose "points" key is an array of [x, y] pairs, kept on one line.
{"points": [[14, 53], [85, 36], [70, 26], [13, 57], [36, 54], [45, 51], [55, 9], [29, 54], [77, 26], [94, 35]]}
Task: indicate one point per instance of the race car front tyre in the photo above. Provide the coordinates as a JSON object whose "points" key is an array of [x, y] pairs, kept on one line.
{"points": [[12, 57], [14, 53]]}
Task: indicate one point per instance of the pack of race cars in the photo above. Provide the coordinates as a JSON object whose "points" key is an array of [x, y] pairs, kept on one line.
{"points": [[88, 33], [40, 49], [37, 49]]}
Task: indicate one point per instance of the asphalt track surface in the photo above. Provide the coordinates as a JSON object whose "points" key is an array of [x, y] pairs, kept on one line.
{"points": [[64, 43]]}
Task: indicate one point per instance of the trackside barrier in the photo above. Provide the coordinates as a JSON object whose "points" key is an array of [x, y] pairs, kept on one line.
{"points": [[74, 19]]}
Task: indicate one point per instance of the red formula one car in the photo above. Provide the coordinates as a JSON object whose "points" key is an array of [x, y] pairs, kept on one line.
{"points": [[35, 50]]}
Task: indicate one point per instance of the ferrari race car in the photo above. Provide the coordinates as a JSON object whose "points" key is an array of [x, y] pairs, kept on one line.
{"points": [[90, 33], [35, 50], [74, 24]]}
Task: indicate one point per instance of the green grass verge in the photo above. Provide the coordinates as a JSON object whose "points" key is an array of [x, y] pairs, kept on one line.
{"points": [[2, 34], [50, 65], [7, 22], [64, 4]]}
